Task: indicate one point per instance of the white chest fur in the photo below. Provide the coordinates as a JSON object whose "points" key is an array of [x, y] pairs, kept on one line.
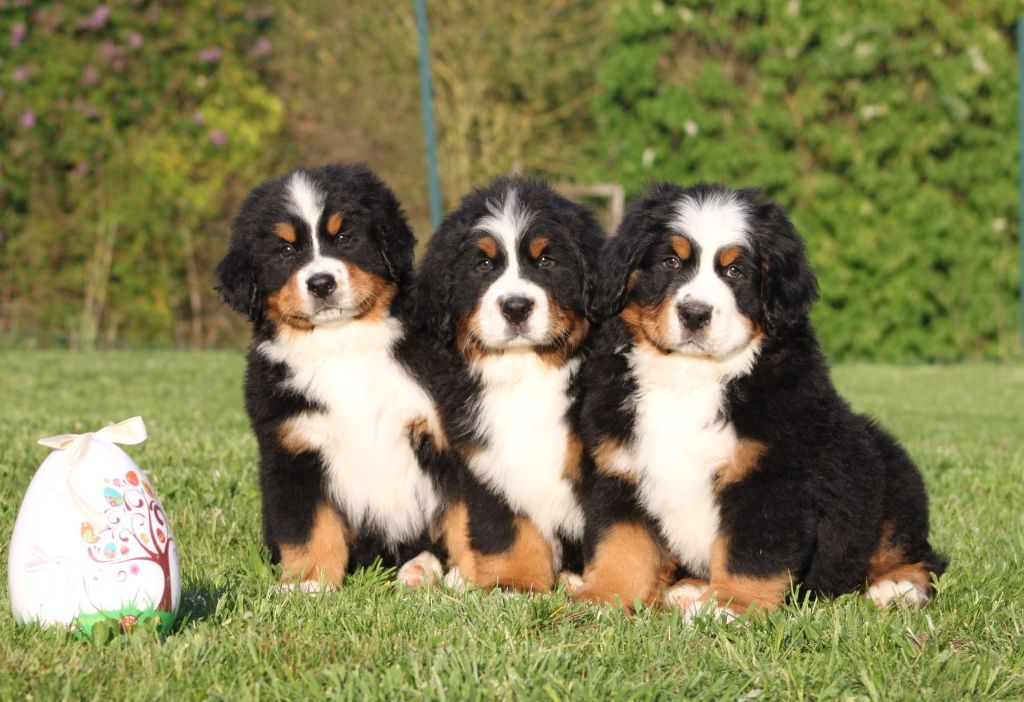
{"points": [[523, 415], [680, 442], [372, 471]]}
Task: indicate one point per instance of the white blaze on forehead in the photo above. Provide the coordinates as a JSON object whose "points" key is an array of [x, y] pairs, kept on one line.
{"points": [[306, 202], [507, 221], [712, 223]]}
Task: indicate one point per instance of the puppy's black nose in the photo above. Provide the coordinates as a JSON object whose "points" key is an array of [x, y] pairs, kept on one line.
{"points": [[516, 309], [322, 285], [695, 315]]}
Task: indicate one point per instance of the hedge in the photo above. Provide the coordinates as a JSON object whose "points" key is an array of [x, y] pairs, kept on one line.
{"points": [[888, 129]]}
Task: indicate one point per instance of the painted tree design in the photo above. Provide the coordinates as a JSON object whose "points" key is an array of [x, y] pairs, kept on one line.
{"points": [[137, 531]]}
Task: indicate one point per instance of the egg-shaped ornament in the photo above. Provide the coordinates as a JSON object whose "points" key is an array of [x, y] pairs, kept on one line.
{"points": [[92, 542]]}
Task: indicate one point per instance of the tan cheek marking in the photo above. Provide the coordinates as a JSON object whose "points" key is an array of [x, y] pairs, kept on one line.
{"points": [[648, 324], [627, 566], [334, 224], [371, 293], [681, 245], [467, 335], [286, 308], [889, 562], [324, 556], [538, 245], [488, 246], [285, 231], [739, 592], [745, 460], [727, 256], [566, 327], [527, 566]]}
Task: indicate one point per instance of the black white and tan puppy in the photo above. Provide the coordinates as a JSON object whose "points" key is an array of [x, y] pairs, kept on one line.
{"points": [[504, 286], [722, 459], [321, 262]]}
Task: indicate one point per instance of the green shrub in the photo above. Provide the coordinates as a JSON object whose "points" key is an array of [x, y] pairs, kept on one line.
{"points": [[125, 129], [888, 129]]}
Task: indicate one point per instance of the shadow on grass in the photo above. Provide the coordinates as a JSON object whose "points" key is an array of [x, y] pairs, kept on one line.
{"points": [[197, 604]]}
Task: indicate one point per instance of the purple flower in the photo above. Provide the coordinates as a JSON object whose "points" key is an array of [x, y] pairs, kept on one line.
{"points": [[98, 18], [86, 110], [134, 40], [218, 138], [133, 569], [210, 54], [197, 118], [28, 119], [18, 33], [20, 74], [261, 47], [90, 76]]}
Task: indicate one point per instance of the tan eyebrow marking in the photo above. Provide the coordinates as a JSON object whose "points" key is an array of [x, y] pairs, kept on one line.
{"points": [[727, 256], [334, 224], [488, 246], [538, 245], [681, 245], [286, 231]]}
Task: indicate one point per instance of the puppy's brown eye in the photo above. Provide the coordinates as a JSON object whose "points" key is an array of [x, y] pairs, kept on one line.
{"points": [[672, 263], [545, 262], [287, 251], [484, 265], [733, 272]]}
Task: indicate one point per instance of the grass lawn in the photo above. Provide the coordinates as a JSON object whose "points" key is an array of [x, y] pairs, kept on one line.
{"points": [[238, 639]]}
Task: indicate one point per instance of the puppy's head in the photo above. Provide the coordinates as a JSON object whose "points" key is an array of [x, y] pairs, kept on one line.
{"points": [[318, 246], [511, 268], [705, 271]]}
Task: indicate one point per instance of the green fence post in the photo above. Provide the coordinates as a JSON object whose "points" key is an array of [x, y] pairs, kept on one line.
{"points": [[428, 115]]}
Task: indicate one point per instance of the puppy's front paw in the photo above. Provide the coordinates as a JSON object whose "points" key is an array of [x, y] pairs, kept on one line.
{"points": [[902, 593], [683, 596], [572, 582], [307, 586], [424, 569]]}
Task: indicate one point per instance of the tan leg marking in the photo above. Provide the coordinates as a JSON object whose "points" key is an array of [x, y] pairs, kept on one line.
{"points": [[528, 565], [324, 556], [627, 566], [893, 578], [738, 593]]}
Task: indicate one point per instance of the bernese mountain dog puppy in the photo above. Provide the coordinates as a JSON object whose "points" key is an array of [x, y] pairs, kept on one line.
{"points": [[504, 287], [320, 261], [724, 467]]}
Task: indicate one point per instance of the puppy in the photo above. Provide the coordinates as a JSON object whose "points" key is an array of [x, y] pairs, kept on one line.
{"points": [[504, 287], [721, 457], [320, 261]]}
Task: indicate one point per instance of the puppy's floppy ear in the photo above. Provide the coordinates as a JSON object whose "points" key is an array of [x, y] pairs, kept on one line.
{"points": [[237, 284], [789, 287], [397, 243], [620, 256], [433, 294], [591, 241]]}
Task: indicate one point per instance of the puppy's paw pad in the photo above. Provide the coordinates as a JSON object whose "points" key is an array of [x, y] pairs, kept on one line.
{"points": [[683, 596], [572, 582], [707, 610], [453, 580], [424, 569], [900, 592]]}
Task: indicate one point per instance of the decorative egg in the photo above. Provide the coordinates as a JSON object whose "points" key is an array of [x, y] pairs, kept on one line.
{"points": [[83, 552]]}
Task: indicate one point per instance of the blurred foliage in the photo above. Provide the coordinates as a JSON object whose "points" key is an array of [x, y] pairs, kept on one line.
{"points": [[131, 130], [888, 129], [126, 131]]}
